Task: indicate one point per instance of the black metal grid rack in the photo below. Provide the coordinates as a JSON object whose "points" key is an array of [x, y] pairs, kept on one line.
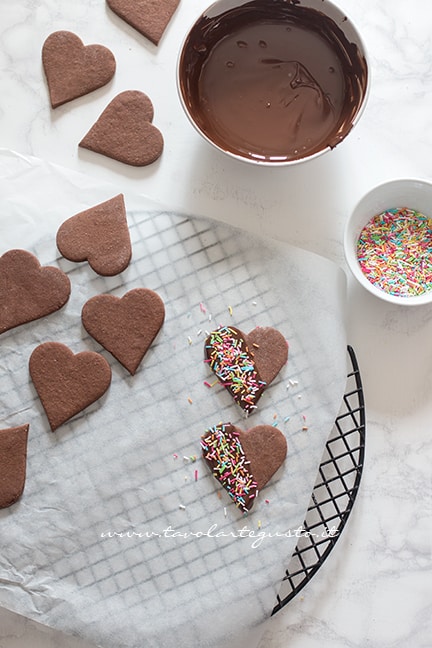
{"points": [[335, 490]]}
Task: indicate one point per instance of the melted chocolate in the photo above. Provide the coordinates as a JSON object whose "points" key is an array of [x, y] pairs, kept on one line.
{"points": [[271, 80]]}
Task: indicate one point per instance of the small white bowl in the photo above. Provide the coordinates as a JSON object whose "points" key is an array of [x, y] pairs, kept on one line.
{"points": [[411, 193]]}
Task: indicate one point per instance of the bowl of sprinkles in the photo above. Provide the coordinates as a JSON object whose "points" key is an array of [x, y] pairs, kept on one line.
{"points": [[388, 241]]}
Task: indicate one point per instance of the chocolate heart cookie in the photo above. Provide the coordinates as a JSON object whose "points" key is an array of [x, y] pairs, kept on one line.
{"points": [[243, 462], [13, 464], [73, 69], [126, 326], [99, 235], [149, 17], [246, 364], [67, 383], [124, 131], [29, 291]]}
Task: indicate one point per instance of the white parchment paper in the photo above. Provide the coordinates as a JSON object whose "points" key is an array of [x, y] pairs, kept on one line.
{"points": [[122, 537]]}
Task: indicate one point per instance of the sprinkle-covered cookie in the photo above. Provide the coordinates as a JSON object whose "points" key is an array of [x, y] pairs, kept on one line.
{"points": [[67, 383], [243, 462], [246, 364], [13, 464], [99, 235], [126, 326], [149, 17], [73, 69], [29, 291], [124, 131]]}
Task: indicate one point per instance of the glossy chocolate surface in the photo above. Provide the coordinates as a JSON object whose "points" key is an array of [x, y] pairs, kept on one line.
{"points": [[271, 80]]}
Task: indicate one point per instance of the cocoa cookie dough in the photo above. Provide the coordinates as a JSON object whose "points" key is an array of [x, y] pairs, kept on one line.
{"points": [[124, 131], [99, 235], [29, 291], [13, 464], [149, 17], [67, 383], [73, 69], [243, 462], [246, 364], [126, 326]]}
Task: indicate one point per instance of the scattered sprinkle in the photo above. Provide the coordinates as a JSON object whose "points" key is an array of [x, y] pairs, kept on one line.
{"points": [[394, 251], [305, 427], [186, 459], [230, 310], [225, 511], [196, 475], [175, 455], [203, 309], [190, 401], [182, 507], [259, 524], [193, 458], [199, 332], [189, 340], [286, 419], [267, 501]]}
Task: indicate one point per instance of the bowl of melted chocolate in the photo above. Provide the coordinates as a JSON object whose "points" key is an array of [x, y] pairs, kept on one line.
{"points": [[274, 82]]}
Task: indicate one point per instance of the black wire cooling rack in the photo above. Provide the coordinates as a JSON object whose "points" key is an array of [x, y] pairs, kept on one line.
{"points": [[335, 490]]}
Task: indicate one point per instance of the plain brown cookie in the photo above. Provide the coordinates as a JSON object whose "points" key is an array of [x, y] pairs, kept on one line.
{"points": [[13, 464], [73, 69], [29, 291], [67, 383], [149, 17], [126, 326], [99, 235], [243, 462], [124, 131], [246, 364]]}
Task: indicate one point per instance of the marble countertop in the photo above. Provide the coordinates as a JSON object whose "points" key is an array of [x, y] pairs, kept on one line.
{"points": [[375, 588]]}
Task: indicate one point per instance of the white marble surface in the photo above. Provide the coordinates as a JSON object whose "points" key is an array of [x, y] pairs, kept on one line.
{"points": [[375, 590]]}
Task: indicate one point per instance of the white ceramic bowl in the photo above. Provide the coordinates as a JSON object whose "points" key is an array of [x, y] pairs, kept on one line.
{"points": [[412, 193], [209, 31]]}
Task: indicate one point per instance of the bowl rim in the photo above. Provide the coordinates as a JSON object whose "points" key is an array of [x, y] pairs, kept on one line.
{"points": [[275, 163], [355, 224]]}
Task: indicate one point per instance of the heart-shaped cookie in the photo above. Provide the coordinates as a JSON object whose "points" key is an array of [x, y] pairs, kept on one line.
{"points": [[73, 69], [13, 464], [124, 131], [99, 235], [126, 326], [246, 364], [67, 383], [29, 291], [149, 17], [243, 462]]}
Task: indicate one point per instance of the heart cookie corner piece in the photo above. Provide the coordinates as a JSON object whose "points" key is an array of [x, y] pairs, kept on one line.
{"points": [[99, 235], [149, 17], [13, 464], [243, 462], [124, 131], [67, 383], [29, 291], [73, 69]]}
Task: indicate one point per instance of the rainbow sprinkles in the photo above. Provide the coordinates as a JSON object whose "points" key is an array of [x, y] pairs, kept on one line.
{"points": [[394, 251], [222, 450], [229, 357]]}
